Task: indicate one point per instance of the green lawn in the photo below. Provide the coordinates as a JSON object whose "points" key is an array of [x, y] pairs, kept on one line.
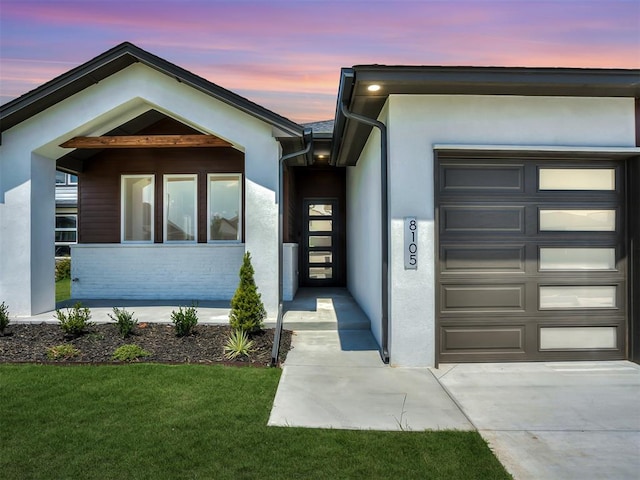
{"points": [[208, 422], [63, 289]]}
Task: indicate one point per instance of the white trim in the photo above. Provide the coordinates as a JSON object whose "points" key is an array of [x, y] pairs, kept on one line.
{"points": [[165, 201], [123, 178], [239, 177]]}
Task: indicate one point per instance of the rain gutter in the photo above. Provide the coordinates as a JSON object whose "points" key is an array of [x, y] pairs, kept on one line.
{"points": [[384, 175], [307, 138]]}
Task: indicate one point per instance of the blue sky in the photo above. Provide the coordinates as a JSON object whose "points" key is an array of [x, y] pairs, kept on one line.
{"points": [[286, 55]]}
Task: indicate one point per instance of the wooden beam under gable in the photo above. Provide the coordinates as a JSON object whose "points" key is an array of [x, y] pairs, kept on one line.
{"points": [[146, 141]]}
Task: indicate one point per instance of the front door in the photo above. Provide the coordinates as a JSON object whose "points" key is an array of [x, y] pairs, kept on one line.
{"points": [[320, 242]]}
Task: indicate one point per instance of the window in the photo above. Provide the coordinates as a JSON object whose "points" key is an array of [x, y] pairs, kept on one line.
{"points": [[578, 220], [180, 208], [577, 179], [66, 178], [137, 208], [577, 297], [576, 258], [225, 207], [66, 233]]}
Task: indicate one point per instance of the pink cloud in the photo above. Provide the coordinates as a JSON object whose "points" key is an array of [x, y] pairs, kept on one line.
{"points": [[277, 49]]}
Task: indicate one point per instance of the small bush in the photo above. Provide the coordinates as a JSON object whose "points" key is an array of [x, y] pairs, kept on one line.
{"points": [[75, 321], [129, 352], [63, 268], [4, 317], [238, 344], [124, 321], [62, 352], [185, 320], [247, 310]]}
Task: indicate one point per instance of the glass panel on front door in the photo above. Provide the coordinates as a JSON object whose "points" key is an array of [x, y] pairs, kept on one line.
{"points": [[319, 257]]}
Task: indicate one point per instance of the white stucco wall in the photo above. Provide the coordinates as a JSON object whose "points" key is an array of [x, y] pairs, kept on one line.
{"points": [[26, 283], [416, 124], [364, 242], [94, 111]]}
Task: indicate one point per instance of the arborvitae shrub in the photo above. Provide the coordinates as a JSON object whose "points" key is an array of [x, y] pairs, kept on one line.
{"points": [[247, 309]]}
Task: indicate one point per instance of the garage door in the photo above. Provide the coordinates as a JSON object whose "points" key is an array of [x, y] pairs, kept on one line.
{"points": [[531, 259]]}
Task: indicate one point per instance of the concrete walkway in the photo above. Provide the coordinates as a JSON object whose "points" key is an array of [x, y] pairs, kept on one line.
{"points": [[149, 311], [334, 377], [543, 420]]}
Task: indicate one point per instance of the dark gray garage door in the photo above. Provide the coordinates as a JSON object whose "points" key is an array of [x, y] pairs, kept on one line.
{"points": [[531, 259]]}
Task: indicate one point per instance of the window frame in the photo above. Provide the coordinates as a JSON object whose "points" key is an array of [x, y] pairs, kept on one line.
{"points": [[74, 229], [240, 177], [165, 178], [123, 179], [66, 179]]}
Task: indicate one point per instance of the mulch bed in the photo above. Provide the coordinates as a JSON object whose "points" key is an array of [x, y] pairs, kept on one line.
{"points": [[29, 343]]}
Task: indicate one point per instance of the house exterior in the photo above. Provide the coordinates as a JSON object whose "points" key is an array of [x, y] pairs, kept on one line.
{"points": [[475, 214], [123, 222]]}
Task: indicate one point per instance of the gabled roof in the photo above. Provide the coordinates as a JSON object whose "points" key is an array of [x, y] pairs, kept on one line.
{"points": [[115, 60], [349, 136]]}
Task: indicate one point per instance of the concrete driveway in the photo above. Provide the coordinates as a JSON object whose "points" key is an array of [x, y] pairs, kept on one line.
{"points": [[570, 420]]}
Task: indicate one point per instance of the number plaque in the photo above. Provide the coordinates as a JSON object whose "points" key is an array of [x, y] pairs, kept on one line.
{"points": [[410, 243]]}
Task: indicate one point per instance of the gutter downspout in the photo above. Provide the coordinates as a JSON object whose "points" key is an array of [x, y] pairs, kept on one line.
{"points": [[307, 137], [384, 175]]}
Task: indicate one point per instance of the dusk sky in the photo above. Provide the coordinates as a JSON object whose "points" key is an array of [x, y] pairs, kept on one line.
{"points": [[286, 55]]}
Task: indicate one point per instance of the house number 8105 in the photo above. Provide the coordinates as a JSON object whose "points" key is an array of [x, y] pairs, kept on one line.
{"points": [[410, 243]]}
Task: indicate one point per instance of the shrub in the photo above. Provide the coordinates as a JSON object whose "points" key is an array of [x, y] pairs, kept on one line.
{"points": [[124, 321], [247, 310], [185, 320], [238, 344], [63, 268], [129, 352], [75, 321], [4, 317], [62, 352]]}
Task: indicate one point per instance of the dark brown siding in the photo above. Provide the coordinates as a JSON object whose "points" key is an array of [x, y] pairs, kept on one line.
{"points": [[289, 194], [99, 192]]}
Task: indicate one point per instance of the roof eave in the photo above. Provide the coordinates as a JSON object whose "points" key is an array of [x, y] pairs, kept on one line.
{"points": [[430, 80]]}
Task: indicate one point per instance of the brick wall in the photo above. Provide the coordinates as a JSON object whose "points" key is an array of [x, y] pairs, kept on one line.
{"points": [[161, 272]]}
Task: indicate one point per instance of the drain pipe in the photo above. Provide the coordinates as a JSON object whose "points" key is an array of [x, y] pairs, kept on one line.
{"points": [[308, 139], [384, 175]]}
